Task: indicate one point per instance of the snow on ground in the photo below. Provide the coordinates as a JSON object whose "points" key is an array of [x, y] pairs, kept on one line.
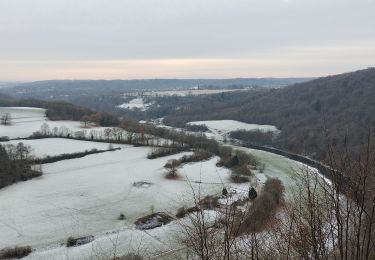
{"points": [[22, 114], [278, 166], [135, 103], [27, 120], [151, 243], [86, 196], [225, 126], [55, 146]]}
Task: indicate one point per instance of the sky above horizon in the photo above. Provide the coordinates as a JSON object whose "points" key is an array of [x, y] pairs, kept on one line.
{"points": [[128, 39]]}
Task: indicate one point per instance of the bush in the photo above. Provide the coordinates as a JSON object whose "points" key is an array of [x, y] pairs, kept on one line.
{"points": [[15, 252], [197, 156], [242, 170], [238, 178], [209, 202], [196, 128], [264, 207], [181, 212], [71, 241], [161, 152], [228, 161], [192, 209], [275, 188], [4, 138], [246, 158], [129, 256]]}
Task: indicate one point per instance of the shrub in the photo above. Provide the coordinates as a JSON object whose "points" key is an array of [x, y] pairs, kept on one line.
{"points": [[4, 138], [275, 188], [209, 202], [129, 256], [161, 152], [171, 167], [228, 161], [253, 194], [242, 170], [196, 128], [192, 209], [181, 212], [238, 178], [245, 158], [15, 252], [264, 207], [197, 156], [71, 241]]}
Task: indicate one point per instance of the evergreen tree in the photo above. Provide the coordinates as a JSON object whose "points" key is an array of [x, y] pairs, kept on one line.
{"points": [[252, 193]]}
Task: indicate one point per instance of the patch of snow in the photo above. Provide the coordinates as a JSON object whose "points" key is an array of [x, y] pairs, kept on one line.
{"points": [[135, 103], [226, 126]]}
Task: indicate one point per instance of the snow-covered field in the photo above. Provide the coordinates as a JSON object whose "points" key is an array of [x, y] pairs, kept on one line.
{"points": [[55, 146], [22, 114], [27, 120], [86, 196], [136, 103], [226, 126]]}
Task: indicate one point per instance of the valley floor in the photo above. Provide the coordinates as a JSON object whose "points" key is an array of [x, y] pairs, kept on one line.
{"points": [[85, 196]]}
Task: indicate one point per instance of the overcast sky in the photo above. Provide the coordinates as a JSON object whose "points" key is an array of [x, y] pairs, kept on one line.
{"points": [[123, 39]]}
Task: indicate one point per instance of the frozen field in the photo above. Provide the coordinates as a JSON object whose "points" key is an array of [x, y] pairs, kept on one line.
{"points": [[85, 196], [55, 146], [226, 126], [163, 195], [27, 120], [22, 114]]}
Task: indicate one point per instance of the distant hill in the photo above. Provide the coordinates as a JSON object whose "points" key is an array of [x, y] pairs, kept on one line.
{"points": [[6, 97], [56, 87], [7, 84], [343, 103]]}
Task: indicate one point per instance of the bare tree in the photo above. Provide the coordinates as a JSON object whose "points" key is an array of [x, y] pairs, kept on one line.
{"points": [[85, 120], [334, 219], [171, 167], [5, 118]]}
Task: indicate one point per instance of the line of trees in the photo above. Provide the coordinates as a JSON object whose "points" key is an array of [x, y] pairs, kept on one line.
{"points": [[15, 164]]}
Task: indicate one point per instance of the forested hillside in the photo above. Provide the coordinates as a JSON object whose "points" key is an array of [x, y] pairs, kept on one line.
{"points": [[343, 104]]}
